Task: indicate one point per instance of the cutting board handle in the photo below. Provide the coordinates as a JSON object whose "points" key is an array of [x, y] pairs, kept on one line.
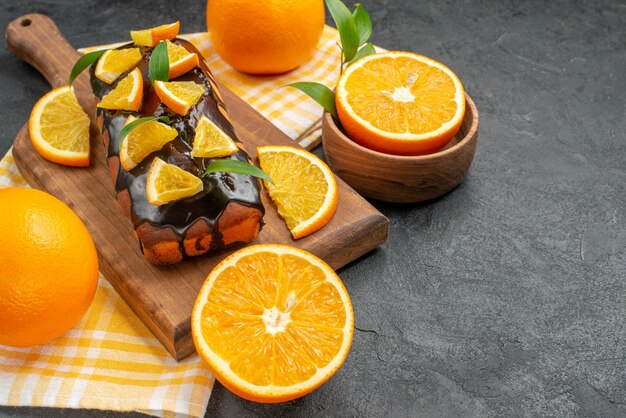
{"points": [[36, 39]]}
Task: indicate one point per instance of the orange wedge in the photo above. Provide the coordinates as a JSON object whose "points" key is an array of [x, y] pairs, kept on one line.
{"points": [[210, 141], [127, 95], [304, 189], [179, 95], [166, 183], [152, 36], [114, 62], [144, 140], [181, 60], [272, 322], [59, 128], [400, 103]]}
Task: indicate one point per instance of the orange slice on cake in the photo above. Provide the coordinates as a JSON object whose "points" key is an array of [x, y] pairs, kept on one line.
{"points": [[127, 95], [179, 96], [152, 36], [181, 60], [114, 62]]}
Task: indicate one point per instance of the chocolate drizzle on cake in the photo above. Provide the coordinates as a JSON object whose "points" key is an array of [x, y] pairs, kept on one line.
{"points": [[219, 188]]}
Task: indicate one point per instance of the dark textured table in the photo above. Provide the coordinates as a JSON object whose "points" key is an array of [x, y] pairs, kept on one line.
{"points": [[506, 297]]}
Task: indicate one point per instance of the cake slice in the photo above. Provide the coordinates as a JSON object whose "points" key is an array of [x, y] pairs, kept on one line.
{"points": [[228, 209]]}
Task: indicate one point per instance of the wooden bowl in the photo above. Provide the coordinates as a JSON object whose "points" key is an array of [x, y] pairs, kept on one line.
{"points": [[398, 178]]}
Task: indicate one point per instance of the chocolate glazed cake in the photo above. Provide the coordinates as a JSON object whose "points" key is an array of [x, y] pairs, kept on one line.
{"points": [[229, 209]]}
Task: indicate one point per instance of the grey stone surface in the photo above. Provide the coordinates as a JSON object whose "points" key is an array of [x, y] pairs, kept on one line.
{"points": [[505, 297]]}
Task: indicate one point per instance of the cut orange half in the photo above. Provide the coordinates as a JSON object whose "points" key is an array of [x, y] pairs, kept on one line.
{"points": [[166, 183], [179, 95], [144, 140], [59, 128], [127, 95], [152, 36], [400, 103], [181, 60], [304, 189], [114, 62], [272, 322]]}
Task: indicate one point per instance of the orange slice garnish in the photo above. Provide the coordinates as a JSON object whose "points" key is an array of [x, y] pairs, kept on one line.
{"points": [[272, 322], [114, 62], [181, 60], [144, 140], [166, 183], [304, 189], [127, 95], [59, 128], [179, 95], [152, 36], [400, 103]]}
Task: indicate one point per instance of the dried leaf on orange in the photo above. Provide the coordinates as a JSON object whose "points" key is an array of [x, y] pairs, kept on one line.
{"points": [[400, 103], [265, 37], [49, 268], [304, 189], [272, 322], [152, 36], [59, 128], [127, 94]]}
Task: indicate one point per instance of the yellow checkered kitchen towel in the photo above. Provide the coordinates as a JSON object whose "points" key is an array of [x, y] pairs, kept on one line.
{"points": [[110, 360]]}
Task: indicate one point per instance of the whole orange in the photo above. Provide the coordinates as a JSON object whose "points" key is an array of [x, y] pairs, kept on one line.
{"points": [[265, 37], [48, 267]]}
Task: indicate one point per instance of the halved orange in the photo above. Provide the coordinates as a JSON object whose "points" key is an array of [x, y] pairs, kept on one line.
{"points": [[181, 60], [144, 140], [59, 128], [304, 189], [179, 95], [114, 62], [272, 322], [400, 103], [127, 95], [166, 183], [152, 36]]}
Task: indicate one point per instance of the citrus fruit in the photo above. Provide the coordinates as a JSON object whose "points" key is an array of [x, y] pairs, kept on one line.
{"points": [[179, 96], [49, 268], [152, 36], [181, 60], [166, 183], [59, 128], [304, 189], [144, 140], [265, 37], [272, 322], [400, 103], [127, 95], [210, 141], [114, 62]]}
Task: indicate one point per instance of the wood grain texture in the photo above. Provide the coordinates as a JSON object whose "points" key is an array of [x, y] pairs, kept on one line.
{"points": [[163, 296], [397, 178]]}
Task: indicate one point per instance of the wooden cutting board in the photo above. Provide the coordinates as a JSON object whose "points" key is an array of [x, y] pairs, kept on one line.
{"points": [[163, 297]]}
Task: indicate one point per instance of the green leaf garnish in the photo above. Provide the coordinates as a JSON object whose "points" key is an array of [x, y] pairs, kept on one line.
{"points": [[137, 122], [159, 67], [318, 92], [236, 166], [346, 25], [367, 49], [363, 23], [84, 62]]}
